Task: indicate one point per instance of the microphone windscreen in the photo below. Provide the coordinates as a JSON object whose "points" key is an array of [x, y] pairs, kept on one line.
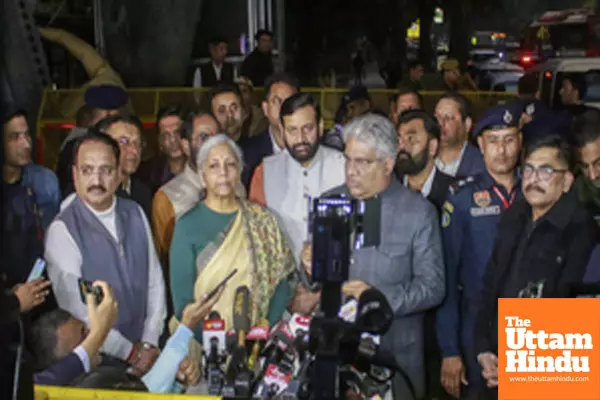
{"points": [[374, 312]]}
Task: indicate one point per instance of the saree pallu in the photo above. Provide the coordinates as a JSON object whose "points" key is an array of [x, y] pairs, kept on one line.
{"points": [[254, 244]]}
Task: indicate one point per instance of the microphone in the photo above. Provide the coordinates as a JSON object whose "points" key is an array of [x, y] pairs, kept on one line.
{"points": [[374, 314], [274, 353], [238, 375], [259, 335], [213, 341]]}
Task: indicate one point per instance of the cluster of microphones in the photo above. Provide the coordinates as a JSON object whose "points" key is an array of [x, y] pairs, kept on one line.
{"points": [[266, 362]]}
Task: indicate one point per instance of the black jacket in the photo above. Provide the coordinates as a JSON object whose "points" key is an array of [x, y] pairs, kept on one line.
{"points": [[439, 189], [258, 66], [557, 250], [255, 149], [209, 77]]}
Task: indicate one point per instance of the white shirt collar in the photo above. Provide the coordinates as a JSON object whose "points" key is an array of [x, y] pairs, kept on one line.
{"points": [[452, 167], [427, 185]]}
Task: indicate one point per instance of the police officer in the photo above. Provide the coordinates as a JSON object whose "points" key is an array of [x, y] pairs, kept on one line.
{"points": [[469, 219]]}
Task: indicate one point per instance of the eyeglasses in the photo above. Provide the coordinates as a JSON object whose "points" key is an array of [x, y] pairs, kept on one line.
{"points": [[138, 144], [544, 172], [103, 171]]}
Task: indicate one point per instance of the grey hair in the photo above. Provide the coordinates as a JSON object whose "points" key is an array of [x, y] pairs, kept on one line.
{"points": [[204, 151], [45, 345], [375, 131]]}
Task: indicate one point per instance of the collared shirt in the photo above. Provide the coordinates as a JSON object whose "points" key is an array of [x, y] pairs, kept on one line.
{"points": [[64, 268], [426, 189], [451, 168], [276, 148]]}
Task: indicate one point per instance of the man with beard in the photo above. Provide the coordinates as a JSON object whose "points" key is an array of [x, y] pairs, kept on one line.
{"points": [[469, 220], [542, 247], [586, 140], [456, 156], [181, 193], [100, 236], [419, 136], [287, 181], [227, 107]]}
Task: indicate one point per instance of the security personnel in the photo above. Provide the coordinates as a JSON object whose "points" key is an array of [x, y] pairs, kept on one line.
{"points": [[469, 219]]}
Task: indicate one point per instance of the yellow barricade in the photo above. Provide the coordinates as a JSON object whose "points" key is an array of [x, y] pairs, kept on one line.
{"points": [[66, 393], [53, 126]]}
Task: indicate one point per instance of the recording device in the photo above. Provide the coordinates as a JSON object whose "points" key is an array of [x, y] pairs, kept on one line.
{"points": [[38, 269], [87, 287], [337, 230], [221, 284], [213, 339]]}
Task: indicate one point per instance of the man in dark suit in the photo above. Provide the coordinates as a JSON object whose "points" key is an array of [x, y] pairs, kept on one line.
{"points": [[217, 70], [259, 64], [419, 135], [542, 247], [278, 88], [127, 131]]}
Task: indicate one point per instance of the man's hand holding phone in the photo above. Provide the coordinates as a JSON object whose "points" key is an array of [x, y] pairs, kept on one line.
{"points": [[102, 317]]}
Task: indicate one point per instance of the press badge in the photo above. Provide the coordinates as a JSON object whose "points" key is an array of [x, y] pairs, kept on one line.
{"points": [[483, 211]]}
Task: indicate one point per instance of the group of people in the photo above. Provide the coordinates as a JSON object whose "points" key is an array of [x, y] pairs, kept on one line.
{"points": [[459, 213]]}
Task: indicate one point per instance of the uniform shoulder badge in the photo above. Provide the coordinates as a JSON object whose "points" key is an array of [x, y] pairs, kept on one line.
{"points": [[455, 187], [446, 218]]}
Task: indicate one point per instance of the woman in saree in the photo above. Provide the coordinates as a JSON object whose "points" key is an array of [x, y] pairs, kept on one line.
{"points": [[223, 232]]}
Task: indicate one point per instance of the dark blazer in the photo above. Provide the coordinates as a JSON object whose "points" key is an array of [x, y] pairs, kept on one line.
{"points": [[558, 248], [155, 172], [141, 194], [439, 189], [209, 77], [61, 373], [255, 149], [471, 163]]}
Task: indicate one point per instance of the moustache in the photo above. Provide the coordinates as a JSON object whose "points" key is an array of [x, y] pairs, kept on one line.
{"points": [[404, 154], [299, 145], [97, 187], [534, 187]]}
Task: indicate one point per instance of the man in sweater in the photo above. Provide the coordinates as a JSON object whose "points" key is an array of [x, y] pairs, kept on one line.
{"points": [[97, 237]]}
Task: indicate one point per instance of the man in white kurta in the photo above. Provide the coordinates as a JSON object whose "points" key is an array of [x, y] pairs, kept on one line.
{"points": [[99, 236], [288, 182]]}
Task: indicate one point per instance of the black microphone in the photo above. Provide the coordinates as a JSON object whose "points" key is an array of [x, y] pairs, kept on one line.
{"points": [[213, 338], [237, 374], [374, 314]]}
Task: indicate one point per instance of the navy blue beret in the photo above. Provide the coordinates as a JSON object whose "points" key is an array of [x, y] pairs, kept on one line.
{"points": [[106, 97]]}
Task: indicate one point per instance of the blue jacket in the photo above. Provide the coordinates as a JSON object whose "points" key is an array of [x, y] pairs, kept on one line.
{"points": [[471, 163], [469, 220], [44, 191]]}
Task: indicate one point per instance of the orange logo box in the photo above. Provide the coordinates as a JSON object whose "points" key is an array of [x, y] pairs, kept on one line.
{"points": [[549, 349]]}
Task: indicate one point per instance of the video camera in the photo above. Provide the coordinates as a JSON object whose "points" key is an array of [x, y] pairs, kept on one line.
{"points": [[336, 224]]}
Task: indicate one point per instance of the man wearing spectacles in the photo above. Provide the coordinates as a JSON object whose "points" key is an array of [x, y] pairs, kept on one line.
{"points": [[100, 236], [181, 193], [469, 220], [542, 247]]}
